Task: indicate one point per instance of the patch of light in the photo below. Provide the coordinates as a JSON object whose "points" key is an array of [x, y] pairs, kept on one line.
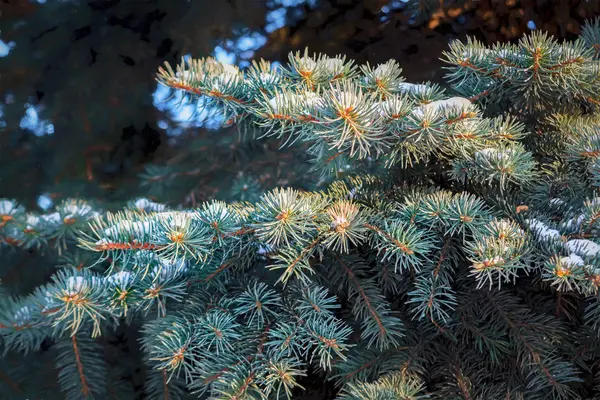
{"points": [[251, 41], [293, 3], [240, 50], [279, 14], [2, 122], [531, 25], [5, 48], [275, 19], [182, 111], [44, 201], [32, 122], [224, 56], [388, 8]]}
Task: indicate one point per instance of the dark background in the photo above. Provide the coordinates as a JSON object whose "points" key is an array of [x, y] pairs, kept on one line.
{"points": [[77, 112]]}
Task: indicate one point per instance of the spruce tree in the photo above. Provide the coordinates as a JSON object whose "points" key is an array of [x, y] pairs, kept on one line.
{"points": [[443, 244]]}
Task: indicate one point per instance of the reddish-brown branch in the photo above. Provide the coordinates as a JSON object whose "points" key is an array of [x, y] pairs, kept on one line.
{"points": [[239, 232], [165, 385], [10, 382], [362, 294], [438, 326], [216, 376], [534, 355], [462, 116], [474, 330], [441, 259], [17, 327], [505, 62], [462, 385], [373, 361], [593, 220], [468, 64], [480, 95], [222, 268], [302, 254], [537, 54], [84, 385], [591, 154], [401, 246], [213, 93], [333, 157], [184, 87], [435, 274], [591, 100], [263, 339], [361, 368], [88, 169], [134, 245], [88, 161], [568, 62], [406, 365], [242, 390]]}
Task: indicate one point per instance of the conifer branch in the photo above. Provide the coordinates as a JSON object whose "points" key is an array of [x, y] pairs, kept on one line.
{"points": [[443, 232]]}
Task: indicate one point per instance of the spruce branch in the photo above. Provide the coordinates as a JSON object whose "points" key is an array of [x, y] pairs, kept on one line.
{"points": [[447, 248]]}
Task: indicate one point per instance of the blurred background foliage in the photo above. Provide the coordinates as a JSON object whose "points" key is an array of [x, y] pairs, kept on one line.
{"points": [[81, 114]]}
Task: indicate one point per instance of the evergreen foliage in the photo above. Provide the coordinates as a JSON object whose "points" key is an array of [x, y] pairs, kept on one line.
{"points": [[447, 247]]}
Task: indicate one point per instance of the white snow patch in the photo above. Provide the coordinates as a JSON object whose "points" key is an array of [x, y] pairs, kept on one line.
{"points": [[307, 64], [76, 284], [77, 210], [139, 228], [52, 218], [7, 207], [23, 315], [121, 278], [406, 87], [543, 230], [452, 103], [32, 221], [230, 69], [145, 204], [572, 259], [492, 153], [583, 247], [574, 223], [334, 64]]}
